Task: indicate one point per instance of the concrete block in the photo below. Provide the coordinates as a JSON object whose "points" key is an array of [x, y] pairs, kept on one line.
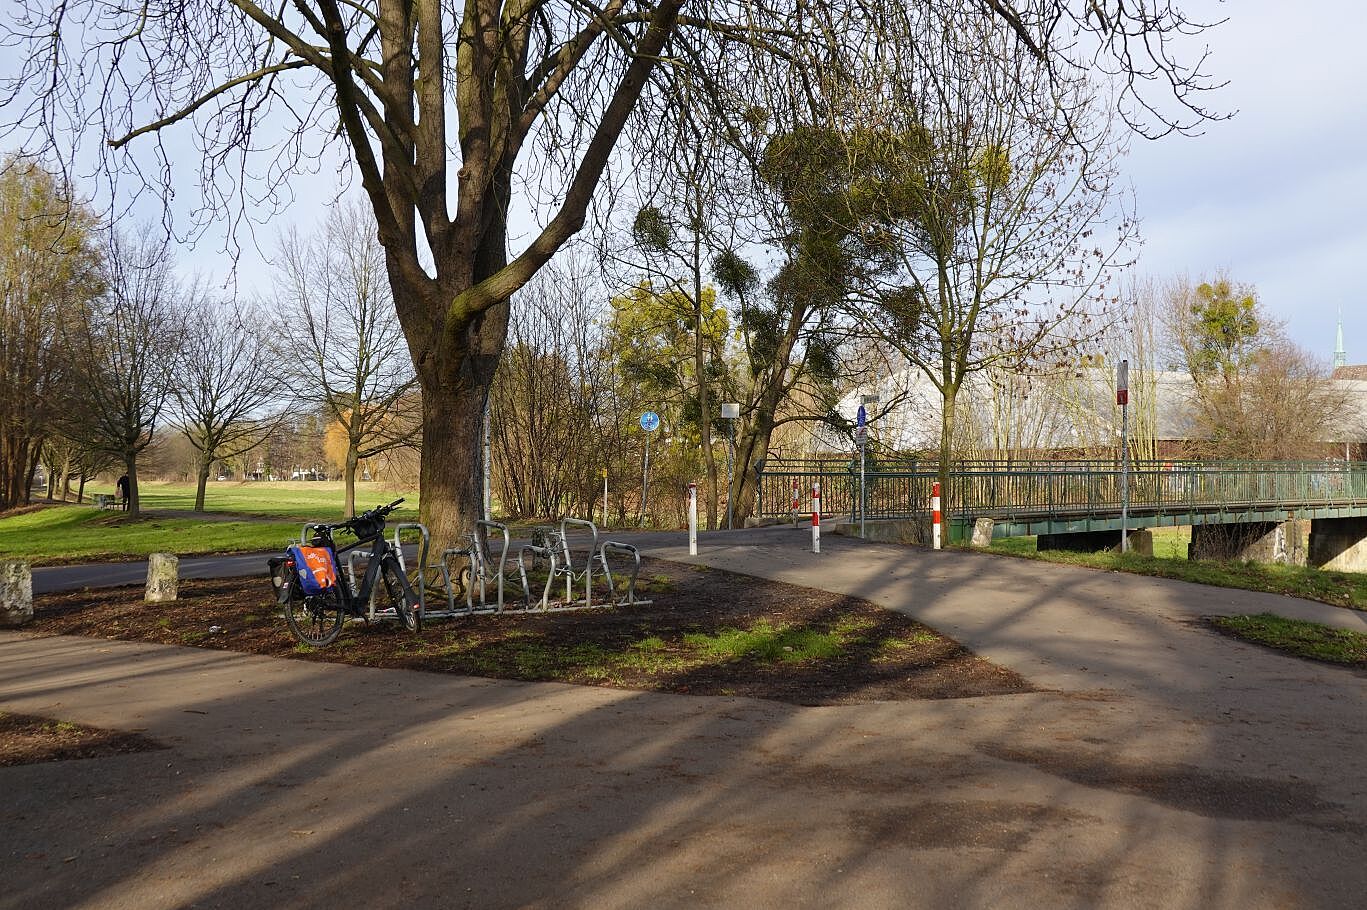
{"points": [[913, 531], [982, 532], [163, 577], [16, 593]]}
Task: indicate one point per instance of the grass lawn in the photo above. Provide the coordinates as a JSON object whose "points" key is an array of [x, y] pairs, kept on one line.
{"points": [[68, 534], [1342, 589], [295, 499], [1303, 639]]}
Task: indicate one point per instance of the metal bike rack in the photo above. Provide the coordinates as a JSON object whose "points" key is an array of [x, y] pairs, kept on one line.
{"points": [[424, 568], [626, 549], [543, 546], [484, 568]]}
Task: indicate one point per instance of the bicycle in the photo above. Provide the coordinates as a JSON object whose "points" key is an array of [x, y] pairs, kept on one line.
{"points": [[318, 598]]}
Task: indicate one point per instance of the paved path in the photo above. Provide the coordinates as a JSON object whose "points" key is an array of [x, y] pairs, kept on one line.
{"points": [[1162, 766]]}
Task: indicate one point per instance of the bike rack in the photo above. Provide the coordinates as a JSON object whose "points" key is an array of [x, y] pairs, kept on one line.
{"points": [[554, 547], [484, 568], [424, 567], [626, 549]]}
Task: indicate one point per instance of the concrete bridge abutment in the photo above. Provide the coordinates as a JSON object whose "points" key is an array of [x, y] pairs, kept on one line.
{"points": [[1282, 542], [1339, 544]]}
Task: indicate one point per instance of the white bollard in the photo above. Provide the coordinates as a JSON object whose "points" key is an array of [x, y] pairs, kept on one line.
{"points": [[816, 517], [935, 515], [692, 519]]}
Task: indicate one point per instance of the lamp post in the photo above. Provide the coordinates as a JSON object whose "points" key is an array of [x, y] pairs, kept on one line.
{"points": [[730, 411], [861, 436]]}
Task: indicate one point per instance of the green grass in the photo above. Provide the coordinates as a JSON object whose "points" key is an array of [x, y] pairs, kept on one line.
{"points": [[76, 534], [1342, 589], [768, 643], [296, 499], [1303, 639]]}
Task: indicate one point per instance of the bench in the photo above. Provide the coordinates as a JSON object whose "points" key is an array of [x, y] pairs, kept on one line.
{"points": [[106, 501]]}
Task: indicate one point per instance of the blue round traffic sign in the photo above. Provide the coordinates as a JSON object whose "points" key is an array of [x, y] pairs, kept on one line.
{"points": [[650, 421]]}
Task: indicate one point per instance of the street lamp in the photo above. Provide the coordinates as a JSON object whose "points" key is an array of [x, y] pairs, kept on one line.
{"points": [[730, 411], [861, 436]]}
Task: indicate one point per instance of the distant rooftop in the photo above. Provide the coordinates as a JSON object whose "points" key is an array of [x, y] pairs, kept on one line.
{"points": [[1351, 371]]}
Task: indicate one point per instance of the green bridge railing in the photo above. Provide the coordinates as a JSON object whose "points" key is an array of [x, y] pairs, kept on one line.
{"points": [[1072, 494]]}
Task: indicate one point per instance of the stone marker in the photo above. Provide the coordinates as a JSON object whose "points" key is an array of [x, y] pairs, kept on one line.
{"points": [[982, 532], [163, 573], [16, 593]]}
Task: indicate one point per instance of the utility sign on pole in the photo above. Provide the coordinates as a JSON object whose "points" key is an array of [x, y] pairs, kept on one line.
{"points": [[650, 422], [1122, 383]]}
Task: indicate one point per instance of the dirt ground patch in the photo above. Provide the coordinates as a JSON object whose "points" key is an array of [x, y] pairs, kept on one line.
{"points": [[707, 632], [27, 740]]}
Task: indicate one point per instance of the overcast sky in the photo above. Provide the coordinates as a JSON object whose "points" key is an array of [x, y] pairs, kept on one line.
{"points": [[1277, 195]]}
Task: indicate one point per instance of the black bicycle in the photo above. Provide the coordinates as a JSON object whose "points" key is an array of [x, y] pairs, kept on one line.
{"points": [[317, 618]]}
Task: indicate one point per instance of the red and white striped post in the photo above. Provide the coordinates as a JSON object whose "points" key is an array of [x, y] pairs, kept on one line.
{"points": [[692, 518], [935, 515], [794, 505], [816, 517]]}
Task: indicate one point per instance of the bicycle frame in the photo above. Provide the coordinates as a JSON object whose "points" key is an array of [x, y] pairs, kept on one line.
{"points": [[355, 601]]}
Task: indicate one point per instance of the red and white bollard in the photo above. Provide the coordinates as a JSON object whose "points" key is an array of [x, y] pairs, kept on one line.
{"points": [[692, 519], [935, 515], [816, 517], [795, 504]]}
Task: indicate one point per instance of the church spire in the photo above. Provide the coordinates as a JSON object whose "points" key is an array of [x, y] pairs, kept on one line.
{"points": [[1340, 356]]}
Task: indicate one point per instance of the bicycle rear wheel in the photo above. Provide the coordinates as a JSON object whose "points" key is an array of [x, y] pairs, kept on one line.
{"points": [[401, 596], [315, 619]]}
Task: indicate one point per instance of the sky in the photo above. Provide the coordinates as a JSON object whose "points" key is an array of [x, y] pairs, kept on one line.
{"points": [[1277, 195]]}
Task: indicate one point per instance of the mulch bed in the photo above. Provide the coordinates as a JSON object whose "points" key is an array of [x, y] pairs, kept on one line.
{"points": [[29, 740], [889, 657]]}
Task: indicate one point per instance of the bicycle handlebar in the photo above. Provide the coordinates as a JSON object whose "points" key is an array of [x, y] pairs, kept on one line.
{"points": [[376, 514]]}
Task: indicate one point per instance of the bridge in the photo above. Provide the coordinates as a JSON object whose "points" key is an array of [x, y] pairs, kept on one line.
{"points": [[1075, 504]]}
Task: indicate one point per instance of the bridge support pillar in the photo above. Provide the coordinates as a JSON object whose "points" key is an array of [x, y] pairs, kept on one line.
{"points": [[1339, 544], [1281, 542], [1141, 542]]}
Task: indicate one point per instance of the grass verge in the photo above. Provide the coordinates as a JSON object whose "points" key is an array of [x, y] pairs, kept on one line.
{"points": [[1310, 640], [1341, 589], [72, 534]]}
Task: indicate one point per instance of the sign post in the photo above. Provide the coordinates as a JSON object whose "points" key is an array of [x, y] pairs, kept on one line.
{"points": [[650, 422], [1122, 398], [861, 435], [605, 497]]}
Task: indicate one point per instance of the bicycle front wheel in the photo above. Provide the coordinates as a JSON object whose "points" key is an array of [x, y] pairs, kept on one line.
{"points": [[316, 619], [401, 596]]}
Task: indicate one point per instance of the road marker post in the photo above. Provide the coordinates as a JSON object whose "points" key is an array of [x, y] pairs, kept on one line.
{"points": [[816, 517], [935, 515], [794, 505]]}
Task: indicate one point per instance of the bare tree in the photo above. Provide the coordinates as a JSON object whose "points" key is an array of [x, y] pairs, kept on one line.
{"points": [[540, 93], [124, 352], [224, 378], [999, 237], [340, 342]]}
